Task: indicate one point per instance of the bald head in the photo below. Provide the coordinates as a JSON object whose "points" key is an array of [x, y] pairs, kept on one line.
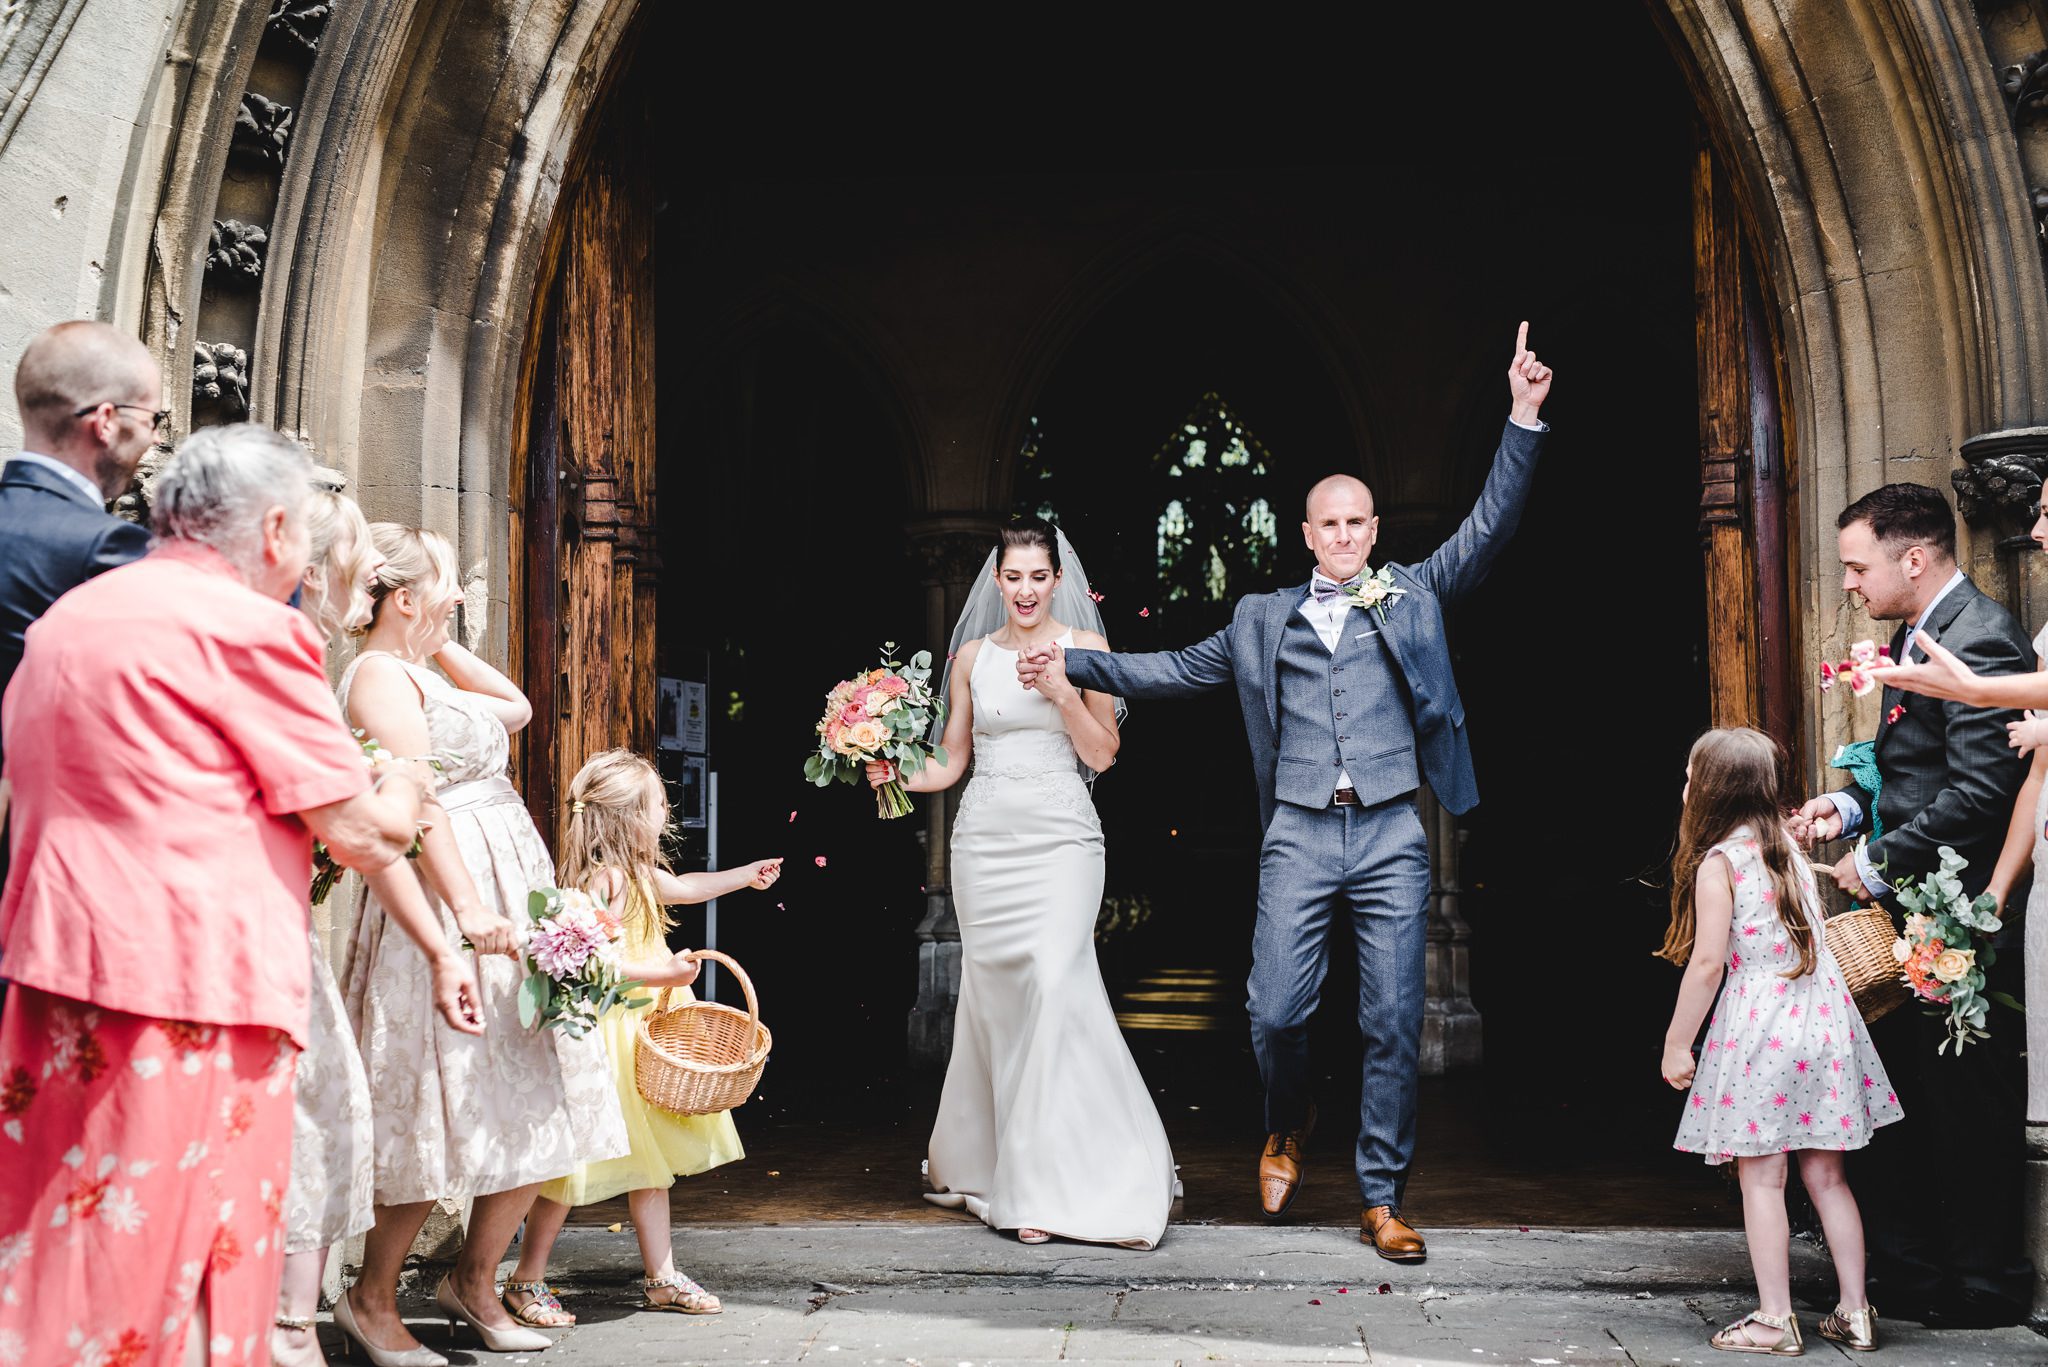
{"points": [[1347, 487], [85, 364], [1340, 527]]}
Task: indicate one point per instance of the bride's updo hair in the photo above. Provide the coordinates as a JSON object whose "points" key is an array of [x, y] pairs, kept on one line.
{"points": [[1027, 532]]}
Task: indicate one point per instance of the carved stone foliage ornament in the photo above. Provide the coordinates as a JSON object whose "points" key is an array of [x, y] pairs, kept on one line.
{"points": [[300, 23], [220, 376], [2000, 482], [234, 252], [2025, 83], [263, 131]]}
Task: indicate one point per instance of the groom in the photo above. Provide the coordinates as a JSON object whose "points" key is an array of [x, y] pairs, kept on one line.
{"points": [[1349, 708]]}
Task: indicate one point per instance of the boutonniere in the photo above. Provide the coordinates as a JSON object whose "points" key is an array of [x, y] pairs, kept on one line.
{"points": [[1376, 591], [1898, 710]]}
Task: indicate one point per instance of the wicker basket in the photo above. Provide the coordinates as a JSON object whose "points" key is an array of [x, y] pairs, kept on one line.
{"points": [[701, 1058], [1861, 940]]}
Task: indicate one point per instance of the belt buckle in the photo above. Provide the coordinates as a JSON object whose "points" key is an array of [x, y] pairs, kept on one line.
{"points": [[1345, 797]]}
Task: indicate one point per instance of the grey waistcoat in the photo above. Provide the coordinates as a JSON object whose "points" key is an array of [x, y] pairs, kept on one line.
{"points": [[1342, 711]]}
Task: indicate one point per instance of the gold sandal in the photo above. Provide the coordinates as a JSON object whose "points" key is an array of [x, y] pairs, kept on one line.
{"points": [[1852, 1328], [690, 1298], [544, 1311], [1736, 1337]]}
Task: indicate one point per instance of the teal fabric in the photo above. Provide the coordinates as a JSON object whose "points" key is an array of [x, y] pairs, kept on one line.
{"points": [[1860, 760]]}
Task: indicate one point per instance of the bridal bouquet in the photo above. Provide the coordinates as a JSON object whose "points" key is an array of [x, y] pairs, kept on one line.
{"points": [[570, 947], [883, 714], [1946, 949], [1854, 671], [325, 870]]}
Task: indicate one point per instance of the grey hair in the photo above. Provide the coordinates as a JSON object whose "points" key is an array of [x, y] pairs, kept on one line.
{"points": [[221, 481]]}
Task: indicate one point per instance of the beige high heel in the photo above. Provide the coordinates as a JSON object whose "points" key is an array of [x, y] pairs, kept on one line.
{"points": [[495, 1340], [352, 1337]]}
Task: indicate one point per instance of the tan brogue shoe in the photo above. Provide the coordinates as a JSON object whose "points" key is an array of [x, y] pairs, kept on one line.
{"points": [[1280, 1167], [1392, 1237]]}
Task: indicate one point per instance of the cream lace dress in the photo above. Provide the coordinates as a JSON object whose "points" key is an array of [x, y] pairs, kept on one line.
{"points": [[461, 1115]]}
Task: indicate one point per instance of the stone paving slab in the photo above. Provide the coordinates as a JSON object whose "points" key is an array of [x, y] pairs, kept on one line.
{"points": [[959, 1296]]}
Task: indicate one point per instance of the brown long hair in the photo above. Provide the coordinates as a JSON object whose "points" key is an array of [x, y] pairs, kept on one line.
{"points": [[616, 819], [1734, 783]]}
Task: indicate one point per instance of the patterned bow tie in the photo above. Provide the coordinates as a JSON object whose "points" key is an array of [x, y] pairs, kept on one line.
{"points": [[1323, 589]]}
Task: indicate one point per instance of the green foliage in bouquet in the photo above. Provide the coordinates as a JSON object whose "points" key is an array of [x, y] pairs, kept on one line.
{"points": [[571, 953], [1947, 948], [884, 713]]}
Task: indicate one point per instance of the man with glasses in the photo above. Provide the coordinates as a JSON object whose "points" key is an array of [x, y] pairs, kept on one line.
{"points": [[1946, 778], [90, 398]]}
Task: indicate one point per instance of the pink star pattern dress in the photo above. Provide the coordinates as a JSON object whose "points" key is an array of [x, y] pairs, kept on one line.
{"points": [[1787, 1062]]}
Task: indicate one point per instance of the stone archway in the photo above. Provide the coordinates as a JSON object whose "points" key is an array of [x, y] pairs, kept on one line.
{"points": [[1882, 151]]}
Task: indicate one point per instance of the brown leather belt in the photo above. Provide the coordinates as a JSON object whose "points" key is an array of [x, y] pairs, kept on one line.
{"points": [[1347, 797]]}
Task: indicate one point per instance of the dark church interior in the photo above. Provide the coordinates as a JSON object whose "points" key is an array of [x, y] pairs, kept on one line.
{"points": [[1311, 267]]}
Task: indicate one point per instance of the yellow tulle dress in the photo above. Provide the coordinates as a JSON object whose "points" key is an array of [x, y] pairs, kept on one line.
{"points": [[665, 1146]]}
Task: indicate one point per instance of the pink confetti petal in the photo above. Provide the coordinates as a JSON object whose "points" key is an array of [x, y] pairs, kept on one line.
{"points": [[819, 861], [1096, 596], [792, 816], [1147, 612]]}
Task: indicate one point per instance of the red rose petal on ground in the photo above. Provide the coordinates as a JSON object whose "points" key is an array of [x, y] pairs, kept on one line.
{"points": [[1315, 1302], [1523, 1228], [1343, 1290], [819, 861], [1386, 1289]]}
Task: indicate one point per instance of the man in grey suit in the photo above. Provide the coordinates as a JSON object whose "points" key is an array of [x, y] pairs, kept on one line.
{"points": [[89, 396], [1350, 706], [1949, 778]]}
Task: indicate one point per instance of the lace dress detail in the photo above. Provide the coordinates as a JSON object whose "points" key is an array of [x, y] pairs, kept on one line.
{"points": [[465, 1115]]}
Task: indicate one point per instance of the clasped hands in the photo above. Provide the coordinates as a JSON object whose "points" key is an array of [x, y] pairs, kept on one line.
{"points": [[1045, 669]]}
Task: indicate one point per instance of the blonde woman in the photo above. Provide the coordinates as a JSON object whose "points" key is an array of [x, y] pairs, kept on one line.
{"points": [[457, 1116], [618, 812], [332, 1181]]}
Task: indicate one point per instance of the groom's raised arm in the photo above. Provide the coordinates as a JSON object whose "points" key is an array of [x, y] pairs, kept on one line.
{"points": [[1461, 563], [1155, 674]]}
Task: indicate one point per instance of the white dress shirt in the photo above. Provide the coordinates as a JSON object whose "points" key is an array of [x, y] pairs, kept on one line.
{"points": [[76, 480]]}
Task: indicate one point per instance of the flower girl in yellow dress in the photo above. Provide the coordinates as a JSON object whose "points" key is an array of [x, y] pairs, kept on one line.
{"points": [[618, 812]]}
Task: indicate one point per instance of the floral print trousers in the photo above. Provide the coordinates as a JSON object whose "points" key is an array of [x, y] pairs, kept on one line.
{"points": [[146, 1165]]}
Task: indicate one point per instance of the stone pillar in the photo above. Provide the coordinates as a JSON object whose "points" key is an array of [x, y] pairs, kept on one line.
{"points": [[1450, 1022], [1997, 491], [950, 550]]}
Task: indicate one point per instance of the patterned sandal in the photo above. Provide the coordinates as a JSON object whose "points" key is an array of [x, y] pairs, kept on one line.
{"points": [[1736, 1338], [689, 1298], [1852, 1328], [544, 1311]]}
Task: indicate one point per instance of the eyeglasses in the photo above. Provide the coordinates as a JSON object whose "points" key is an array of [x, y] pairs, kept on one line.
{"points": [[159, 418]]}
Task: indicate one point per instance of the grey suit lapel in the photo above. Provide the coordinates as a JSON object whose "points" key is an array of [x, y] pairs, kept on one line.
{"points": [[1279, 608]]}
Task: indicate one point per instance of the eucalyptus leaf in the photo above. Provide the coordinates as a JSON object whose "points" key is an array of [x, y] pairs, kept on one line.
{"points": [[533, 999]]}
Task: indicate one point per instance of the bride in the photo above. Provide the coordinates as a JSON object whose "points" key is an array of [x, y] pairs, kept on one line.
{"points": [[1045, 1125]]}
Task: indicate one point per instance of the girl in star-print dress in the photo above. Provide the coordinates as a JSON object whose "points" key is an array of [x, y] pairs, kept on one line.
{"points": [[1787, 1065]]}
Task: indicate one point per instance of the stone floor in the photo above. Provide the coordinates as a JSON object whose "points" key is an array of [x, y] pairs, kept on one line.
{"points": [[956, 1295]]}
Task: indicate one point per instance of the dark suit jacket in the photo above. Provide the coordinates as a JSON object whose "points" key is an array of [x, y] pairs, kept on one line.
{"points": [[52, 539], [1949, 776], [1246, 653]]}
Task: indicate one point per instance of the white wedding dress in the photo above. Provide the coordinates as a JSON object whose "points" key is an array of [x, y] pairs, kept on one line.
{"points": [[1045, 1122]]}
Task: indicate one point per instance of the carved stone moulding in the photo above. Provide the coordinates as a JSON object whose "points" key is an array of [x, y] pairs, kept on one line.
{"points": [[299, 24], [234, 252], [263, 132], [1999, 485], [220, 377], [950, 548]]}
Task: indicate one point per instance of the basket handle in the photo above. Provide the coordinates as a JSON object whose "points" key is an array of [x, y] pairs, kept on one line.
{"points": [[746, 984]]}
